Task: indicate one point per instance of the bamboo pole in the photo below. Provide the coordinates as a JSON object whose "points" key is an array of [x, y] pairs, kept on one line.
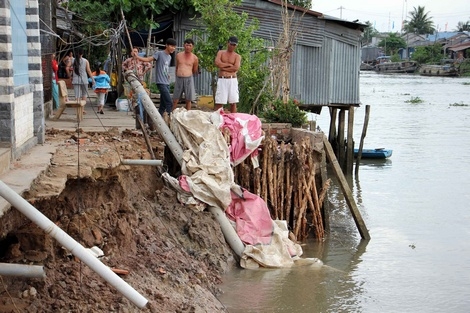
{"points": [[280, 180], [264, 170], [270, 173], [274, 183], [257, 181], [289, 189]]}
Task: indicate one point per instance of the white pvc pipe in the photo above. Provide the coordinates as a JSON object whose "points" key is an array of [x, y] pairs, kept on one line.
{"points": [[23, 270], [71, 245], [142, 162]]}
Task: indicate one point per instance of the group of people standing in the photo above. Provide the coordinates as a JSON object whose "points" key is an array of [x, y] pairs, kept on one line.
{"points": [[79, 71], [187, 65]]}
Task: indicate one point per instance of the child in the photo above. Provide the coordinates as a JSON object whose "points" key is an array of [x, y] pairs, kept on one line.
{"points": [[101, 86]]}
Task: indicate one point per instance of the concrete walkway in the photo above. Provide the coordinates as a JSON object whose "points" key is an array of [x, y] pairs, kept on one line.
{"points": [[92, 121]]}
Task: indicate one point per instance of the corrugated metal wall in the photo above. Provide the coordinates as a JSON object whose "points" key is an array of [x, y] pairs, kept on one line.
{"points": [[325, 62]]}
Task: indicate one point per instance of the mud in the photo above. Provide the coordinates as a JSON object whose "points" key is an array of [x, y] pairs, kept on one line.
{"points": [[175, 257]]}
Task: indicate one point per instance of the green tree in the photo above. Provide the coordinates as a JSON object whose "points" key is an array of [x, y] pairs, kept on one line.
{"points": [[463, 26], [368, 34], [392, 43], [428, 54], [306, 4], [420, 23], [139, 13], [218, 21]]}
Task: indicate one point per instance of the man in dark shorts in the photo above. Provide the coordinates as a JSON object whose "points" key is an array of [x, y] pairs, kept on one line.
{"points": [[186, 66]]}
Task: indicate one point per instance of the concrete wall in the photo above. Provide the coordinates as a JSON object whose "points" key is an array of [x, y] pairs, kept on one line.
{"points": [[21, 107]]}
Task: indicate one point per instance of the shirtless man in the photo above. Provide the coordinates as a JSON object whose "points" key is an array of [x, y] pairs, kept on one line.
{"points": [[186, 66], [228, 62]]}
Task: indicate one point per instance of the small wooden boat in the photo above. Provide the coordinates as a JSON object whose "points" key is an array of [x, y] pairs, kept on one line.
{"points": [[379, 153], [446, 70], [397, 67]]}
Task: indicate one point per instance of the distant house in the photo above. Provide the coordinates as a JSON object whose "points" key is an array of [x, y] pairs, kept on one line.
{"points": [[21, 105], [457, 46]]}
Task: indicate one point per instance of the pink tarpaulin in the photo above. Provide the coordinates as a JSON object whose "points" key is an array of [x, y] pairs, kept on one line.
{"points": [[245, 132], [252, 218]]}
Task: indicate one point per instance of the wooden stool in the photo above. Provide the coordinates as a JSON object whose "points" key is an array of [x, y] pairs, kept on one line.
{"points": [[65, 103]]}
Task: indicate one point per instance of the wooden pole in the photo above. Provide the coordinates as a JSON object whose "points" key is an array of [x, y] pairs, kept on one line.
{"points": [[350, 141], [363, 135], [346, 190], [340, 151], [333, 116], [149, 41]]}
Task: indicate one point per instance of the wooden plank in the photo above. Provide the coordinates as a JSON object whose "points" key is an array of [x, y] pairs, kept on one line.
{"points": [[346, 190]]}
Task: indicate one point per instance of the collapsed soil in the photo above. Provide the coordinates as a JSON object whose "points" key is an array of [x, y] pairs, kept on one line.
{"points": [[175, 257]]}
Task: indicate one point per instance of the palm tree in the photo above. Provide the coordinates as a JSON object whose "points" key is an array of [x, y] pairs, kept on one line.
{"points": [[463, 26], [420, 23]]}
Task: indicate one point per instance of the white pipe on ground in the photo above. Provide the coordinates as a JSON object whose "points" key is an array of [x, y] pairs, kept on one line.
{"points": [[71, 245], [22, 270], [142, 162]]}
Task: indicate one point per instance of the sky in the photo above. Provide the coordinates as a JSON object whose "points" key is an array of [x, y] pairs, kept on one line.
{"points": [[387, 15]]}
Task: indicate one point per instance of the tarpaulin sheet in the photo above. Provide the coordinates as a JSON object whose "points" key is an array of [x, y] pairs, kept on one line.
{"points": [[246, 134], [208, 177]]}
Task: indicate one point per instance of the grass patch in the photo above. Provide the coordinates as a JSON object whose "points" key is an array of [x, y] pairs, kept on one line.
{"points": [[415, 100], [461, 104], [466, 84]]}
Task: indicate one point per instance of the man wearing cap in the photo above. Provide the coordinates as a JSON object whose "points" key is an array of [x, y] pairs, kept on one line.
{"points": [[162, 73], [228, 62]]}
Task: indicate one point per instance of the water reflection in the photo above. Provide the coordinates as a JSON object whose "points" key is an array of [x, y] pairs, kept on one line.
{"points": [[331, 288], [375, 163]]}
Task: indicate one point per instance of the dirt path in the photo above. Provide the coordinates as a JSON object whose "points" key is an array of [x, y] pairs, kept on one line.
{"points": [[175, 257]]}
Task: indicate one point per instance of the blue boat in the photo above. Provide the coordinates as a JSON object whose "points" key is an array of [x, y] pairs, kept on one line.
{"points": [[379, 153]]}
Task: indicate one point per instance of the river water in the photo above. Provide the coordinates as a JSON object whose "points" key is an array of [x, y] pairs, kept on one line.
{"points": [[416, 206]]}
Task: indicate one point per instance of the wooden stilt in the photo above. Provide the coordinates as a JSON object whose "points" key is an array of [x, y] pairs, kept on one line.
{"points": [[350, 141]]}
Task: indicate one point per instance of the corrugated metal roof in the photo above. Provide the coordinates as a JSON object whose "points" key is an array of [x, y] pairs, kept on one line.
{"points": [[460, 47]]}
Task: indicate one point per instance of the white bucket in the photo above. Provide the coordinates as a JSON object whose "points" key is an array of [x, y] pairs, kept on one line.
{"points": [[122, 105]]}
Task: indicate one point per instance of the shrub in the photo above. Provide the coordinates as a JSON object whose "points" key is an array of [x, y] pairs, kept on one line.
{"points": [[289, 112]]}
